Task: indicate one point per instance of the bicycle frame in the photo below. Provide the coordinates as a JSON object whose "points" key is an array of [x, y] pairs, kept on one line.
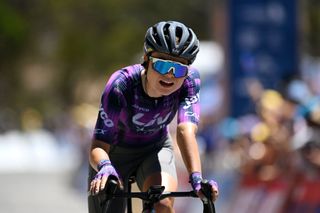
{"points": [[153, 195]]}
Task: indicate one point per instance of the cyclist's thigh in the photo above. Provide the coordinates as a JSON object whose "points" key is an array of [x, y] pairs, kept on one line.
{"points": [[94, 202], [158, 168]]}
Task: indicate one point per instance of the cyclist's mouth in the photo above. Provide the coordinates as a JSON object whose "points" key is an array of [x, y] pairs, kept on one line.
{"points": [[166, 83]]}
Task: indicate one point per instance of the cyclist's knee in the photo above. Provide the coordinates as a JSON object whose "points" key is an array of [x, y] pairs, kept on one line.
{"points": [[165, 206]]}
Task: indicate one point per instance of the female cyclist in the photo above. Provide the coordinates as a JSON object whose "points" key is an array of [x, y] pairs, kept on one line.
{"points": [[138, 103]]}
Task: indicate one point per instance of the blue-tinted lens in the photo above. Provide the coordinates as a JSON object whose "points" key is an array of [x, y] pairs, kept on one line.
{"points": [[163, 67], [180, 71]]}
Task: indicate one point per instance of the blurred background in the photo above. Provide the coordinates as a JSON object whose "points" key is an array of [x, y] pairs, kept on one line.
{"points": [[260, 67]]}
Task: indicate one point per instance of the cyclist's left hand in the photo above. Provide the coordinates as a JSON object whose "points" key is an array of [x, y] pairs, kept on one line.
{"points": [[195, 180]]}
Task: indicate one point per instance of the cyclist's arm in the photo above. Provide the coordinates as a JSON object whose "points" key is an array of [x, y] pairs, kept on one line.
{"points": [[188, 119], [186, 140], [106, 129], [99, 151]]}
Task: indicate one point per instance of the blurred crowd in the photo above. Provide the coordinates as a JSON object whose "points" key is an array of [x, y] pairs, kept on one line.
{"points": [[268, 160]]}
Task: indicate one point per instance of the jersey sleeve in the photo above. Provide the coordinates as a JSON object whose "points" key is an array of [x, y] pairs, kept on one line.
{"points": [[112, 103], [189, 106]]}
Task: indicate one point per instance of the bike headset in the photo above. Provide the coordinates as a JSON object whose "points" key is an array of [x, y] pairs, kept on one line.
{"points": [[173, 38]]}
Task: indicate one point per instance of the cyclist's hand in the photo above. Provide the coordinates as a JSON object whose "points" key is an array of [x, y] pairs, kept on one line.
{"points": [[99, 182], [196, 179]]}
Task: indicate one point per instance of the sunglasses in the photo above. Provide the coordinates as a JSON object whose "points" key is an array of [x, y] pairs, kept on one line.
{"points": [[165, 66]]}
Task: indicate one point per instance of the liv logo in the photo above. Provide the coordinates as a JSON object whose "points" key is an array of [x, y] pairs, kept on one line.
{"points": [[156, 119]]}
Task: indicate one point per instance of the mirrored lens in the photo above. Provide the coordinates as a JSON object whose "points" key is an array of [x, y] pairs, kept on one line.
{"points": [[180, 71], [163, 67]]}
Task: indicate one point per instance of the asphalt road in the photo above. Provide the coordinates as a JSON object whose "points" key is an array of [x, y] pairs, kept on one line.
{"points": [[40, 193]]}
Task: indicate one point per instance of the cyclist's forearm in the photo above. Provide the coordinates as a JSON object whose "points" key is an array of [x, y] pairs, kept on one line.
{"points": [[186, 139], [99, 151]]}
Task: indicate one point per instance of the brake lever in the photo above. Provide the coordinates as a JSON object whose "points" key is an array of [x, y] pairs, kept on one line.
{"points": [[111, 186], [208, 205], [108, 192]]}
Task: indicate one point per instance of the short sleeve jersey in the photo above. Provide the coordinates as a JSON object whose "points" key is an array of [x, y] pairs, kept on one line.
{"points": [[128, 117]]}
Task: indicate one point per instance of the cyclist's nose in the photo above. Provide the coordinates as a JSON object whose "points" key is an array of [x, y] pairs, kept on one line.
{"points": [[171, 72]]}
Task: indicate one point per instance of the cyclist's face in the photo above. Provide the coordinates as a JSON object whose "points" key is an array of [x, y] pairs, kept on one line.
{"points": [[162, 85]]}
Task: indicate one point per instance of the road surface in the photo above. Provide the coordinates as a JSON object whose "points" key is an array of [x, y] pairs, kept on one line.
{"points": [[40, 193]]}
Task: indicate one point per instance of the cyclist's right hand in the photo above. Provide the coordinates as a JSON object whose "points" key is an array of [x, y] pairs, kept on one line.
{"points": [[105, 169]]}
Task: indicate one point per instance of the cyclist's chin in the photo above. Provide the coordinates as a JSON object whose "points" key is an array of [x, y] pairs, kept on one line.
{"points": [[167, 90]]}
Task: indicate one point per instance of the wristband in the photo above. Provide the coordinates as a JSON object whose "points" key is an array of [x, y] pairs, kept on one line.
{"points": [[103, 163]]}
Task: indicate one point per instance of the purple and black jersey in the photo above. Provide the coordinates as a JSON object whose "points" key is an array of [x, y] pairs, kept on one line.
{"points": [[128, 117]]}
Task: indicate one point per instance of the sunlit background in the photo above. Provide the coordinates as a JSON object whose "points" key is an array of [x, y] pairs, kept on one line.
{"points": [[260, 69]]}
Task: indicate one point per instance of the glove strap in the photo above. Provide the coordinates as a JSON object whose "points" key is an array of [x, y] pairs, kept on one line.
{"points": [[195, 178], [103, 163]]}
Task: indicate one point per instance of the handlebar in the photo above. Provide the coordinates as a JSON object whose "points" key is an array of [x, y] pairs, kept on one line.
{"points": [[156, 193]]}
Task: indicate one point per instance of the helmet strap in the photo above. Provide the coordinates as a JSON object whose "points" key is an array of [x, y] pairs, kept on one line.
{"points": [[145, 82]]}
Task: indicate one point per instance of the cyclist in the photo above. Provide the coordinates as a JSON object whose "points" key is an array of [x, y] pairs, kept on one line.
{"points": [[138, 103]]}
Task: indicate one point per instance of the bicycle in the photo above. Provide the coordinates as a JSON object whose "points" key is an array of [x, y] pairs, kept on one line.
{"points": [[151, 196]]}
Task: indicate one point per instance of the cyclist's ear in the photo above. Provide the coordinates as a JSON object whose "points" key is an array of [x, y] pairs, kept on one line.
{"points": [[146, 57], [145, 61]]}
